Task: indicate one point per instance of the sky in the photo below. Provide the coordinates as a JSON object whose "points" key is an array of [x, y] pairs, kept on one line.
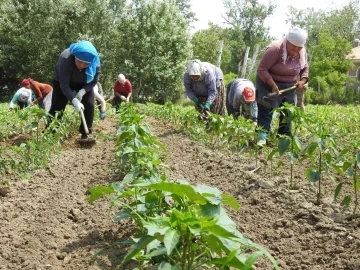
{"points": [[212, 10]]}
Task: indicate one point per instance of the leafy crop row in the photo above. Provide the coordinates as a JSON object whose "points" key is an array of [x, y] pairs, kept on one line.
{"points": [[324, 139], [180, 226]]}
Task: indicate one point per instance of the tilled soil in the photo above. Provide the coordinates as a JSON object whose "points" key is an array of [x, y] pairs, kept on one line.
{"points": [[299, 233], [48, 224]]}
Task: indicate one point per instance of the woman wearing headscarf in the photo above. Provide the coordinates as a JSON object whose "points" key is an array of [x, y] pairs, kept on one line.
{"points": [[42, 91], [77, 70], [22, 98], [122, 91], [205, 87], [284, 64]]}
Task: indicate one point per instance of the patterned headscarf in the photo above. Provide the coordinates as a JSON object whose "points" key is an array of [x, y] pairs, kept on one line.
{"points": [[195, 67]]}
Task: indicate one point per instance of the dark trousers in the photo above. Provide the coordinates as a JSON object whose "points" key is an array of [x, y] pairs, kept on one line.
{"points": [[117, 102], [229, 107], [22, 105], [265, 117], [59, 101], [265, 114]]}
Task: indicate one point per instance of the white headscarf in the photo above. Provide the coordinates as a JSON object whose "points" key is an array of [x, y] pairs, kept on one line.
{"points": [[195, 67], [297, 37]]}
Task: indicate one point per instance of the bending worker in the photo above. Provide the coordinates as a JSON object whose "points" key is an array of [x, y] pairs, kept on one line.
{"points": [[240, 99]]}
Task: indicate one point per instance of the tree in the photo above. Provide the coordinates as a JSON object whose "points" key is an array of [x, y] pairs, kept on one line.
{"points": [[341, 22], [184, 6], [249, 16], [35, 32], [246, 18], [155, 48], [205, 44], [146, 40], [329, 66]]}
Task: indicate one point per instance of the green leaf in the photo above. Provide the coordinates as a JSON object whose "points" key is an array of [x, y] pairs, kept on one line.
{"points": [[358, 159], [210, 210], [297, 142], [213, 195], [337, 190], [157, 226], [313, 175], [346, 201], [357, 185], [220, 231], [98, 192], [171, 239], [184, 191], [135, 249], [213, 243], [283, 145], [271, 154], [311, 148], [251, 259], [124, 213], [231, 201]]}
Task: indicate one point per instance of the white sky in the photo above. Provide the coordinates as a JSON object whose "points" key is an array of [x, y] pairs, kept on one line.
{"points": [[211, 10]]}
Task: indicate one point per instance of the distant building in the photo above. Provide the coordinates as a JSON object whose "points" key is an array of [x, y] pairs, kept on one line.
{"points": [[354, 56], [354, 73]]}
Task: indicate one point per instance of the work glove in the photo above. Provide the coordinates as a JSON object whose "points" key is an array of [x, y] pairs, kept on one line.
{"points": [[77, 105], [207, 106], [10, 109], [196, 101], [102, 115], [80, 94], [123, 98], [254, 123]]}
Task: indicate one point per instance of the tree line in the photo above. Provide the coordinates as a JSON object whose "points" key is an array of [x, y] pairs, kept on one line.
{"points": [[150, 41]]}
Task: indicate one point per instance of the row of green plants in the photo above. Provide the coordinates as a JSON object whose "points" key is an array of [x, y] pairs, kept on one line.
{"points": [[178, 225], [324, 140], [26, 146]]}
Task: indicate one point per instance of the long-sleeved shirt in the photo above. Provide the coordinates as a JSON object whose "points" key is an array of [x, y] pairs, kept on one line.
{"points": [[99, 98], [272, 65], [205, 87], [125, 89], [17, 97], [236, 98], [40, 90], [70, 77]]}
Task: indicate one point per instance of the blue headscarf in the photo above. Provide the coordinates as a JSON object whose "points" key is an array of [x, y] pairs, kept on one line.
{"points": [[85, 52]]}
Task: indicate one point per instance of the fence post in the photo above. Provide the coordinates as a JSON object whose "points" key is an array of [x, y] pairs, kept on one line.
{"points": [[219, 53]]}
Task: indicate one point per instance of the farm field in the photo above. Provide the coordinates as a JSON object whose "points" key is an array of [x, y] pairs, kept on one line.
{"points": [[46, 222]]}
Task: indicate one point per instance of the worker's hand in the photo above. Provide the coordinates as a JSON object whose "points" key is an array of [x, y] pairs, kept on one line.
{"points": [[127, 99], [275, 89], [32, 104], [102, 115], [77, 105], [300, 85], [123, 98], [196, 101], [10, 109], [254, 123], [80, 94]]}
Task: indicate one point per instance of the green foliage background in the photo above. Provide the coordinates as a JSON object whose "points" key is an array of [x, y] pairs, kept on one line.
{"points": [[151, 42]]}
